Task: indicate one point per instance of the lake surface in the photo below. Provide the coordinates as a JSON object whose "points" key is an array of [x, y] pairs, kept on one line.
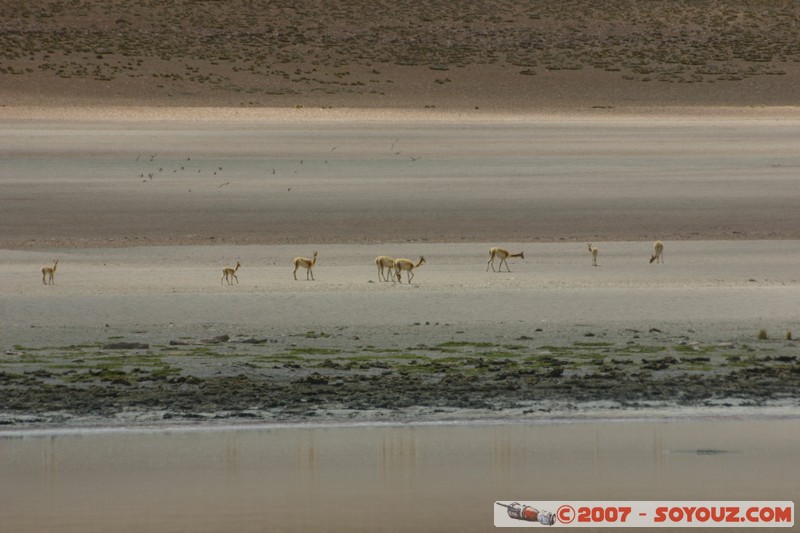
{"points": [[172, 182], [378, 477]]}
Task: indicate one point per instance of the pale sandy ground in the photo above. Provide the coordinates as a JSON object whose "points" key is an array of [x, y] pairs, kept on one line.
{"points": [[717, 290]]}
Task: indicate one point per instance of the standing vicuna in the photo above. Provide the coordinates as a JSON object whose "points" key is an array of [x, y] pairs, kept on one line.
{"points": [[384, 264], [594, 251], [407, 265], [658, 252], [49, 273], [229, 274], [306, 263], [502, 254]]}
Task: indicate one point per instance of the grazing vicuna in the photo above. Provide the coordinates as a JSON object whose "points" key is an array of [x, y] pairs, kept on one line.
{"points": [[502, 254], [306, 263], [408, 265], [658, 252]]}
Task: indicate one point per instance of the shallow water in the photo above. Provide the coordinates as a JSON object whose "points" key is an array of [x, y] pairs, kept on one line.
{"points": [[377, 478], [128, 182]]}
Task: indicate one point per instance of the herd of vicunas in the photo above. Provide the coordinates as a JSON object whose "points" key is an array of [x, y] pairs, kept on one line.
{"points": [[389, 269]]}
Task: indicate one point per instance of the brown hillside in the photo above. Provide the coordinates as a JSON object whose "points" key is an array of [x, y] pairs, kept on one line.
{"points": [[501, 54]]}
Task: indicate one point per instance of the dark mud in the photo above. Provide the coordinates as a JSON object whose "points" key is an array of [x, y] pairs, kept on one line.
{"points": [[316, 376]]}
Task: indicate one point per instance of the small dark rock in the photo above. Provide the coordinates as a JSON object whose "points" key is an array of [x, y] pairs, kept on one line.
{"points": [[660, 364], [243, 414], [695, 359], [253, 340]]}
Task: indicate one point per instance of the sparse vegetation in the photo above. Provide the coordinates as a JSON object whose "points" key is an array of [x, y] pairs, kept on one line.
{"points": [[263, 48], [283, 379]]}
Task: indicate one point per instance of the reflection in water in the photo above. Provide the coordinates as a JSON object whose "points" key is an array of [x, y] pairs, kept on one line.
{"points": [[398, 449], [372, 478], [232, 453], [658, 462], [307, 460], [502, 457]]}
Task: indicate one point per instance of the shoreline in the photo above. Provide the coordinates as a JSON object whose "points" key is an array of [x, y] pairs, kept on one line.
{"points": [[442, 373], [283, 115], [667, 415]]}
